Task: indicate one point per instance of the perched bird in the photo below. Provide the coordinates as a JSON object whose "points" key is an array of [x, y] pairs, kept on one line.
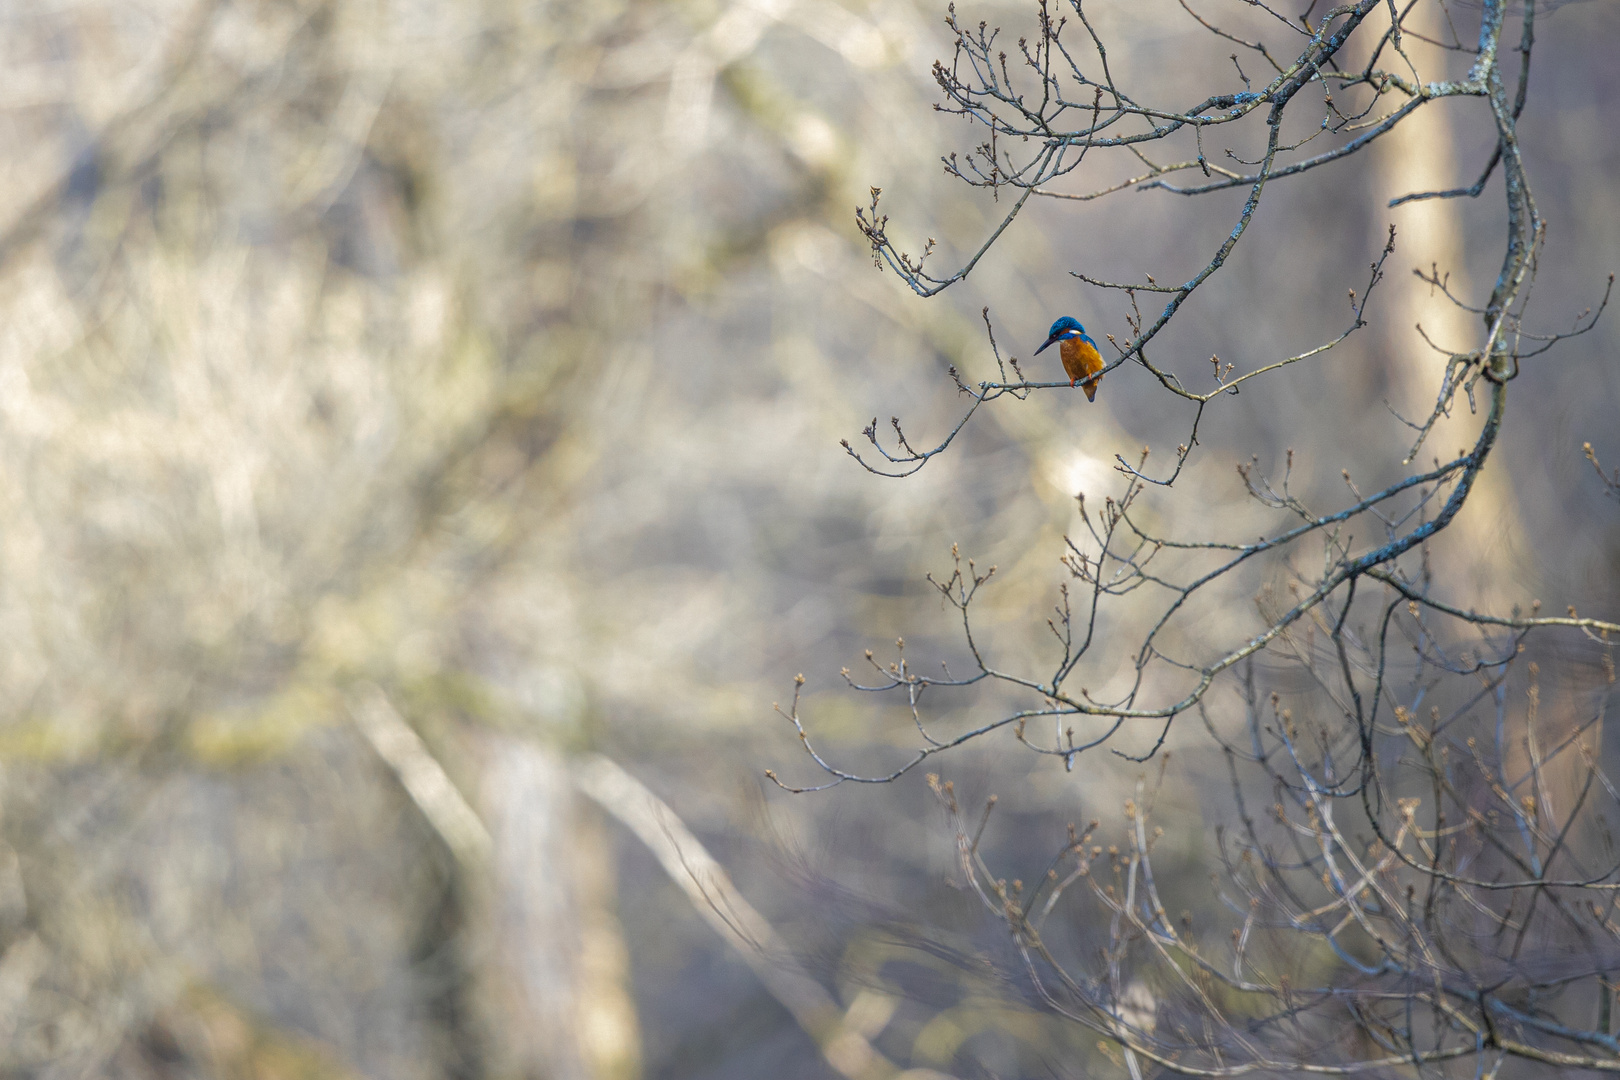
{"points": [[1081, 360]]}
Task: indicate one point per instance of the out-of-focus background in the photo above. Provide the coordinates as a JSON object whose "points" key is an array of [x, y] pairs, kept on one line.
{"points": [[390, 386]]}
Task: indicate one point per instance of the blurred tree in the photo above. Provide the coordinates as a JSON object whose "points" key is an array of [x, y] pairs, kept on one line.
{"points": [[350, 496], [277, 378]]}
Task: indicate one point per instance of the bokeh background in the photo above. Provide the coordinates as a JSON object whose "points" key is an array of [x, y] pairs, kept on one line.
{"points": [[476, 370]]}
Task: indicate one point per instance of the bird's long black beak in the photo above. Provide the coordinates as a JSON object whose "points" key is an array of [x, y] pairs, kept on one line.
{"points": [[1054, 337]]}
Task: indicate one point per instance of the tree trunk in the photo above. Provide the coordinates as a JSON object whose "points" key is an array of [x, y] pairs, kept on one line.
{"points": [[554, 1000]]}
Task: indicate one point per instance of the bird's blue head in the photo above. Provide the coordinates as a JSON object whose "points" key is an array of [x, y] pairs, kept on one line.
{"points": [[1066, 327]]}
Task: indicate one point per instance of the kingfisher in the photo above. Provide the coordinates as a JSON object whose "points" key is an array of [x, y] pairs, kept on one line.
{"points": [[1081, 360]]}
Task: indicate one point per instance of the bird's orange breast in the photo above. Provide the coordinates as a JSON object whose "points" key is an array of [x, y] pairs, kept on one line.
{"points": [[1080, 359]]}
